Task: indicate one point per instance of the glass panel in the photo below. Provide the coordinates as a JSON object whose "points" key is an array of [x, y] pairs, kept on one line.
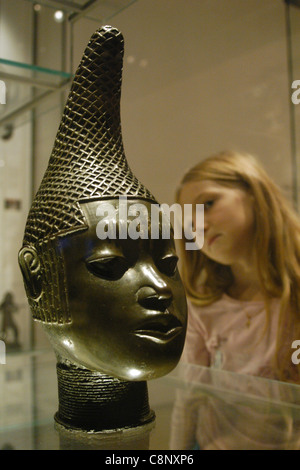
{"points": [[107, 9], [216, 409], [31, 66], [99, 10], [247, 412], [25, 83]]}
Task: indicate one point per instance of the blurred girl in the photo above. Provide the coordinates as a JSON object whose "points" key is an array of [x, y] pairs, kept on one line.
{"points": [[243, 284]]}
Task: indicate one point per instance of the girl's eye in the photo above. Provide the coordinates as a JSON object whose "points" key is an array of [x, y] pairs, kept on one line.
{"points": [[168, 265], [110, 269], [208, 204]]}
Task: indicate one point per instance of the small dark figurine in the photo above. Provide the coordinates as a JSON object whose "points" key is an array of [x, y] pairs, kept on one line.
{"points": [[9, 330], [113, 306]]}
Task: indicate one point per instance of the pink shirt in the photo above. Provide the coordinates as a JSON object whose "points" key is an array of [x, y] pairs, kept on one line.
{"points": [[228, 335]]}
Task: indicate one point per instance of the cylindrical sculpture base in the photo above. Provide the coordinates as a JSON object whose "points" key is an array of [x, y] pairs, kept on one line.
{"points": [[137, 438], [95, 402]]}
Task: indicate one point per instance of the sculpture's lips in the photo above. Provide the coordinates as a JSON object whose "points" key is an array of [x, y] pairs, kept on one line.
{"points": [[160, 329]]}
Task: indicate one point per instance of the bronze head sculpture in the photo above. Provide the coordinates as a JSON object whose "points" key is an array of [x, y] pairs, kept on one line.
{"points": [[113, 306]]}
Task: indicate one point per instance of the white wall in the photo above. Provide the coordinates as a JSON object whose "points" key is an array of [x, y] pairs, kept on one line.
{"points": [[48, 114], [201, 76], [15, 159]]}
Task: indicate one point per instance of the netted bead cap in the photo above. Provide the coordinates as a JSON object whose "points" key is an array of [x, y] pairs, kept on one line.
{"points": [[87, 160]]}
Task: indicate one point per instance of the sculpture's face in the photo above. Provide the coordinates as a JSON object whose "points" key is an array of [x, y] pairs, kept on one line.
{"points": [[126, 300]]}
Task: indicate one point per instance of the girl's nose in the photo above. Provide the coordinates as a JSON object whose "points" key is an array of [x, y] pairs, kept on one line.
{"points": [[205, 223]]}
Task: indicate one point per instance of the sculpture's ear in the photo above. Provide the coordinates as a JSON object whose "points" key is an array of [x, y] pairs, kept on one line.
{"points": [[31, 269]]}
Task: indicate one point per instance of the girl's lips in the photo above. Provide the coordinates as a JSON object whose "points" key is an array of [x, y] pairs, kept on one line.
{"points": [[212, 239]]}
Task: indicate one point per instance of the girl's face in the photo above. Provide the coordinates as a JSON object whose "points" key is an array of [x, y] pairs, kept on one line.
{"points": [[228, 220]]}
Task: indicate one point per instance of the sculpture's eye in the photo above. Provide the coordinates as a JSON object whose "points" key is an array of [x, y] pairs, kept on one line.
{"points": [[168, 265], [112, 268]]}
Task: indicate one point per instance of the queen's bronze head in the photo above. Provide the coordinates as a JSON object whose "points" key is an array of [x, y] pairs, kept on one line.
{"points": [[109, 303]]}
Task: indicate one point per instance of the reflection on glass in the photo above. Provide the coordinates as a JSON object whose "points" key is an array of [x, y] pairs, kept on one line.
{"points": [[220, 410]]}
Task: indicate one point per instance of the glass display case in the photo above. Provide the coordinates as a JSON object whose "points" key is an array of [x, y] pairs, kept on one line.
{"points": [[253, 412], [27, 84], [37, 73]]}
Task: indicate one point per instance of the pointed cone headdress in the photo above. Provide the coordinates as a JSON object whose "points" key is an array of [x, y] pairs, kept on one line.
{"points": [[88, 160]]}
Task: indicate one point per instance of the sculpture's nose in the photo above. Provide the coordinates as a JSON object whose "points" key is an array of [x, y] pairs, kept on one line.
{"points": [[151, 299]]}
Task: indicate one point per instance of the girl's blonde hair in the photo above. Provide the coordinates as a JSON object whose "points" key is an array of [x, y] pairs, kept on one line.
{"points": [[276, 244]]}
